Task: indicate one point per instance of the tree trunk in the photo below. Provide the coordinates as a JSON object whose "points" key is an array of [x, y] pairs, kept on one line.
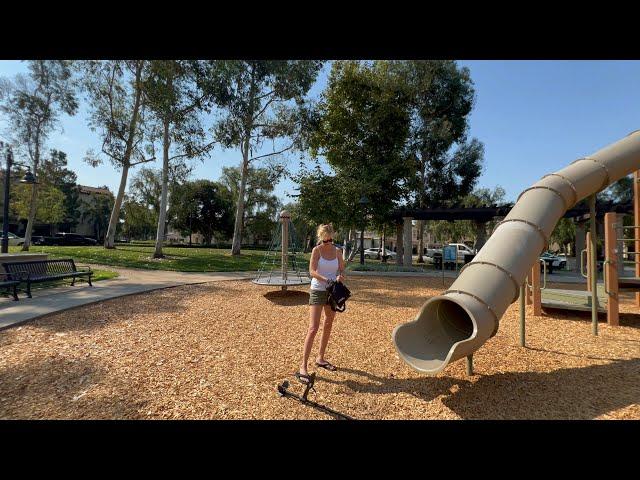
{"points": [[345, 250], [165, 187], [481, 236], [384, 247], [32, 217], [109, 241], [420, 241], [400, 244], [237, 231], [354, 246], [34, 197]]}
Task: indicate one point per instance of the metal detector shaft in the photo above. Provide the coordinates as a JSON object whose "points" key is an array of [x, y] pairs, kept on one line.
{"points": [[282, 390]]}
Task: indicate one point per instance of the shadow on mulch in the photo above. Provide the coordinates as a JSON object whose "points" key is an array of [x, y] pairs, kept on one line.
{"points": [[425, 389], [396, 301], [570, 393], [626, 319], [572, 354], [45, 387], [288, 298]]}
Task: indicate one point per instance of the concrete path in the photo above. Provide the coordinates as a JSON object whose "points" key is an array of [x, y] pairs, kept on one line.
{"points": [[130, 281]]}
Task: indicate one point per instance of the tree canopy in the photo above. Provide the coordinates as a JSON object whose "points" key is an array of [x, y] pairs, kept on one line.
{"points": [[361, 131], [261, 101]]}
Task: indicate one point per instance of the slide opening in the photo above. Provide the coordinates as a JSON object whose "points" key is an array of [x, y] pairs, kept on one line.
{"points": [[426, 343], [454, 320]]}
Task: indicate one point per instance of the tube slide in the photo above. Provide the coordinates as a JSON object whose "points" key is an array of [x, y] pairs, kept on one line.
{"points": [[458, 322]]}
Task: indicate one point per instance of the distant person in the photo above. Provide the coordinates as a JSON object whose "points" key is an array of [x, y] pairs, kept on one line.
{"points": [[326, 264]]}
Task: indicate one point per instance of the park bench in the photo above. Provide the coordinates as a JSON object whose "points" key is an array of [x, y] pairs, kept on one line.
{"points": [[7, 281], [39, 271]]}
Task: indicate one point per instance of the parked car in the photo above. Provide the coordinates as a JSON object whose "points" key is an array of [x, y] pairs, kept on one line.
{"points": [[375, 253], [556, 261], [46, 241], [461, 249], [64, 239], [14, 239], [69, 239]]}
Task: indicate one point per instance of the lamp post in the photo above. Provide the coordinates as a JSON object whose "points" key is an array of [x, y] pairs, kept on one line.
{"points": [[364, 201], [27, 179]]}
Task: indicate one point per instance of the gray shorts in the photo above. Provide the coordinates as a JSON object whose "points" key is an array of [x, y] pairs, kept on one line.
{"points": [[318, 297]]}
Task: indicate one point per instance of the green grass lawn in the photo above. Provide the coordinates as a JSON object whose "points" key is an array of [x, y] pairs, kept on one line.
{"points": [[103, 275], [191, 259], [177, 259]]}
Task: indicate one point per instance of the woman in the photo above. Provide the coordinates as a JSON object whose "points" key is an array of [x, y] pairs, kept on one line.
{"points": [[326, 264]]}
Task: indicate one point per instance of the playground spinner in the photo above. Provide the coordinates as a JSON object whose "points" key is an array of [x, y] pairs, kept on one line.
{"points": [[281, 266]]}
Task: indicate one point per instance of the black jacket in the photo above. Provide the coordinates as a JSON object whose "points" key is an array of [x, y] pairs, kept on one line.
{"points": [[338, 295]]}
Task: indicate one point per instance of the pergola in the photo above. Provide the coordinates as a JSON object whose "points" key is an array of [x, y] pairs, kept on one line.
{"points": [[404, 216], [582, 212], [478, 214]]}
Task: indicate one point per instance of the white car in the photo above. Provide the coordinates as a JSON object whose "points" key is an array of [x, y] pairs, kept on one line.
{"points": [[461, 249], [374, 252], [14, 239], [556, 261]]}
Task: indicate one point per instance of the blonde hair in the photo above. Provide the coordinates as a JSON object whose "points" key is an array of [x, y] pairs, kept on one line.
{"points": [[324, 229]]}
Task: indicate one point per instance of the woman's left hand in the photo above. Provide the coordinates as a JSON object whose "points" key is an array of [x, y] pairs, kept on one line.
{"points": [[340, 278]]}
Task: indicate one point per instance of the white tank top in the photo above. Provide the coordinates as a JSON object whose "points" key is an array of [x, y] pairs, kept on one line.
{"points": [[326, 268]]}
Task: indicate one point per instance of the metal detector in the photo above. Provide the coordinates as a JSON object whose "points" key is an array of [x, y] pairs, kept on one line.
{"points": [[284, 392]]}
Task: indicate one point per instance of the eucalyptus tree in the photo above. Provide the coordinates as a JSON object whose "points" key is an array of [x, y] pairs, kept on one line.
{"points": [[175, 96], [117, 112], [261, 101], [33, 105], [145, 187], [361, 130], [447, 164]]}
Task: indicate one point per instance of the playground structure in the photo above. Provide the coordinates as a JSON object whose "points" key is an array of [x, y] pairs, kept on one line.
{"points": [[280, 266], [458, 322], [606, 299]]}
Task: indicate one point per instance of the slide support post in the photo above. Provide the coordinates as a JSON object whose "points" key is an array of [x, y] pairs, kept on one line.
{"points": [[593, 265], [522, 316]]}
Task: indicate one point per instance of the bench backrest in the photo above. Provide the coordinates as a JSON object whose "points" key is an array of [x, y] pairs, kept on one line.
{"points": [[42, 267]]}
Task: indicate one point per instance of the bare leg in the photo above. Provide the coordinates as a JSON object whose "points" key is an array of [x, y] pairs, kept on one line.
{"points": [[329, 315], [314, 323]]}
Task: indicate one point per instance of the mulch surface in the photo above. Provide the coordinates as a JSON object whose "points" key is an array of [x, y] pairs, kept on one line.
{"points": [[218, 350]]}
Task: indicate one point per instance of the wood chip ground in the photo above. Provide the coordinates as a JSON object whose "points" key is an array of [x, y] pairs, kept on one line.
{"points": [[218, 350]]}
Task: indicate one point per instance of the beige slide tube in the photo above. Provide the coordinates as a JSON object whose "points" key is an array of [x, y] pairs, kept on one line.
{"points": [[458, 322]]}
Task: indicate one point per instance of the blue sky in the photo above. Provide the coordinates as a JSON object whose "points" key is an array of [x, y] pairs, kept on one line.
{"points": [[534, 117]]}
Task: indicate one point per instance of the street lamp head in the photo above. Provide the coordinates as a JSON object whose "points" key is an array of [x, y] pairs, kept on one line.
{"points": [[28, 178]]}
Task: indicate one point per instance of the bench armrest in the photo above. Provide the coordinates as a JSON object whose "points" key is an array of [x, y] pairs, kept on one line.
{"points": [[87, 267]]}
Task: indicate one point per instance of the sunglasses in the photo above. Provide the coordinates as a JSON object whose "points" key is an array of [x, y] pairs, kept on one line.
{"points": [[327, 241]]}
